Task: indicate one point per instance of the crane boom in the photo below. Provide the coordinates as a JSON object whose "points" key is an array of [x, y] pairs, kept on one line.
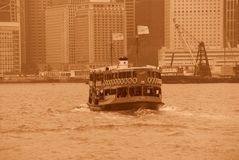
{"points": [[177, 26], [201, 64]]}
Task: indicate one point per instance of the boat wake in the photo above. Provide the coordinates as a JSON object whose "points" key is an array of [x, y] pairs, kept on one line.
{"points": [[144, 112], [81, 108], [167, 108]]}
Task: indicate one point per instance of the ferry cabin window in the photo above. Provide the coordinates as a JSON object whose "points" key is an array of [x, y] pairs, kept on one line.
{"points": [[135, 91], [149, 74], [99, 77], [134, 74], [158, 75], [154, 74], [110, 92], [128, 74], [122, 92], [122, 75], [151, 91], [91, 77], [113, 91], [102, 94], [114, 75], [108, 76], [107, 92]]}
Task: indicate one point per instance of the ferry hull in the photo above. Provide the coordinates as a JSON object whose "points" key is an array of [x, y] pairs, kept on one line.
{"points": [[127, 106]]}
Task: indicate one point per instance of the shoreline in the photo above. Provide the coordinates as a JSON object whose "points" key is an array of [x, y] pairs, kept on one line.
{"points": [[165, 80]]}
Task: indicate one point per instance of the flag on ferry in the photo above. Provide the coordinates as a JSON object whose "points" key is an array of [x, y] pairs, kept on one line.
{"points": [[142, 30], [117, 36]]}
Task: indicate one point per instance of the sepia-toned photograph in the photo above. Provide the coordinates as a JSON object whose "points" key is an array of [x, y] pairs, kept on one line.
{"points": [[119, 79]]}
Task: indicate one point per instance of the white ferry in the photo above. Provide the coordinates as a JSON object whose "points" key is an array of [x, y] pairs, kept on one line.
{"points": [[125, 88]]}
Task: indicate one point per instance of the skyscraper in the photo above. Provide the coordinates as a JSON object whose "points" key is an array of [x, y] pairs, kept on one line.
{"points": [[23, 34], [60, 35], [201, 20], [231, 23], [35, 38], [78, 35], [10, 49], [10, 40], [95, 24]]}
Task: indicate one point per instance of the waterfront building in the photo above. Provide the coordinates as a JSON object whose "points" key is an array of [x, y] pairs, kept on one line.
{"points": [[95, 23], [10, 37], [199, 21], [182, 58], [23, 34], [60, 36], [189, 22], [36, 32], [78, 35], [231, 23], [10, 48]]}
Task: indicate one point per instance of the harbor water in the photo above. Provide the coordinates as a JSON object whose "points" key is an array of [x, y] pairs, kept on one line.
{"points": [[52, 122]]}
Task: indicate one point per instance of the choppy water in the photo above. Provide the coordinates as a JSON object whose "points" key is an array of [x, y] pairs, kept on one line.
{"points": [[51, 122]]}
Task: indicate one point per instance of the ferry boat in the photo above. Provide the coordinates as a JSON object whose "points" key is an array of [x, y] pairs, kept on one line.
{"points": [[122, 87]]}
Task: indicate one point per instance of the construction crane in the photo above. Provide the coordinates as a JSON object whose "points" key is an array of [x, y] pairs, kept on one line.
{"points": [[201, 63], [10, 7]]}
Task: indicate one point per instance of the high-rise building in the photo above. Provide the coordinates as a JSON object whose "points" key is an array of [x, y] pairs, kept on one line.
{"points": [[231, 23], [188, 22], [10, 40], [78, 35], [201, 20], [95, 24], [35, 36], [60, 36], [10, 48], [150, 13], [23, 34]]}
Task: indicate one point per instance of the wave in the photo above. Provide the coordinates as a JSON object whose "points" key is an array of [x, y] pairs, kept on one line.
{"points": [[167, 108], [93, 127], [81, 108]]}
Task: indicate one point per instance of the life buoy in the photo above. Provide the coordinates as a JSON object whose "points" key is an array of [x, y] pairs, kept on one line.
{"points": [[130, 80], [134, 80], [156, 81], [118, 81], [125, 81], [153, 80], [121, 81], [114, 80], [149, 80], [106, 83]]}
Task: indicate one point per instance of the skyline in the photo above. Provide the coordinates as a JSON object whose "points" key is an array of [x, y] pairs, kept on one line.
{"points": [[32, 17]]}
